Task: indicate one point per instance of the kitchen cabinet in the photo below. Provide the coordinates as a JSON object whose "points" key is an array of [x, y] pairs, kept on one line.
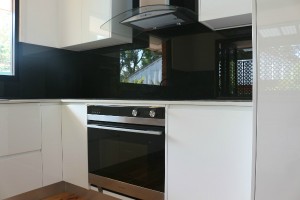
{"points": [[20, 128], [74, 139], [209, 152], [51, 143], [20, 173], [80, 22], [277, 100], [72, 24], [39, 22], [221, 14]]}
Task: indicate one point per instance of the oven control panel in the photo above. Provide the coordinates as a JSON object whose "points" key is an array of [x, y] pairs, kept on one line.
{"points": [[128, 111]]}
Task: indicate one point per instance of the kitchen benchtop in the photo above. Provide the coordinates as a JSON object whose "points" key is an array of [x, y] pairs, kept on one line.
{"points": [[133, 102]]}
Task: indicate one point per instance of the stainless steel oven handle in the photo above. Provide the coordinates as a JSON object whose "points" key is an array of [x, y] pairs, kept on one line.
{"points": [[124, 129]]}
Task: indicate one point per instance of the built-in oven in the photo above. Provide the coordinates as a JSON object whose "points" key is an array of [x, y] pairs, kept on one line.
{"points": [[126, 150]]}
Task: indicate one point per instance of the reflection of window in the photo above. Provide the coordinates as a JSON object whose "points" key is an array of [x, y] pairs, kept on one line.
{"points": [[141, 66], [6, 37], [235, 69]]}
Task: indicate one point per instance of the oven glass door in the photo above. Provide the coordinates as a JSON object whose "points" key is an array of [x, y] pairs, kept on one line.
{"points": [[132, 154]]}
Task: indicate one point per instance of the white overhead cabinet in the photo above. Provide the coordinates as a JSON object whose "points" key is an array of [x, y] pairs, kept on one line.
{"points": [[73, 24], [39, 22], [221, 14], [81, 21]]}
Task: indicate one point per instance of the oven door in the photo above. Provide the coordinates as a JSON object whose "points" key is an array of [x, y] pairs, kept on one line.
{"points": [[131, 155]]}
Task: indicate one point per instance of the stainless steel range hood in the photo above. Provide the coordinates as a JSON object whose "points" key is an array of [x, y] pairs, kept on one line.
{"points": [[154, 17], [151, 17]]}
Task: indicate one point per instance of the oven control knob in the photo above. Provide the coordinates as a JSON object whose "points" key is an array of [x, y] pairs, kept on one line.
{"points": [[134, 112], [152, 113]]}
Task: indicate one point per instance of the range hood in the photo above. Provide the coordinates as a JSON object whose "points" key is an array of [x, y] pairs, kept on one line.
{"points": [[151, 17], [155, 17]]}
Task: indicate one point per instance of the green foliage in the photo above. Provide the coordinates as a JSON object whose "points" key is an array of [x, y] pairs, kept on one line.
{"points": [[134, 60], [5, 41]]}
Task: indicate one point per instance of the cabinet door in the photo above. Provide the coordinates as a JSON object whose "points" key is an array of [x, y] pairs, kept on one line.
{"points": [[74, 137], [39, 22], [209, 152], [219, 14], [52, 144], [94, 14], [20, 128], [20, 173], [70, 22]]}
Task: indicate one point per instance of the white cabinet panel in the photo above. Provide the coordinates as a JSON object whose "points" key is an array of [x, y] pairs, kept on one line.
{"points": [[219, 14], [72, 24], [74, 137], [52, 144], [20, 128], [209, 152], [94, 14], [80, 22], [278, 97], [20, 173], [39, 22], [69, 22]]}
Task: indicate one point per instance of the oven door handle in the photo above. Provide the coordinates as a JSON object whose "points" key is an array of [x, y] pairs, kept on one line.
{"points": [[125, 129]]}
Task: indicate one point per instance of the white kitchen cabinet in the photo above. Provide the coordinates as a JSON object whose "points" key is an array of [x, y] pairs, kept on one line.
{"points": [[80, 22], [39, 22], [51, 143], [220, 14], [20, 173], [72, 24], [74, 139], [209, 152], [278, 97], [20, 128]]}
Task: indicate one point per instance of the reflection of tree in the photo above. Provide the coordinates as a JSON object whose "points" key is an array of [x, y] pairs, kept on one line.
{"points": [[132, 61], [5, 40]]}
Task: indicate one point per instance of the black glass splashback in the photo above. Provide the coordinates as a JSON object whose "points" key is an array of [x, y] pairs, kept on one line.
{"points": [[196, 64]]}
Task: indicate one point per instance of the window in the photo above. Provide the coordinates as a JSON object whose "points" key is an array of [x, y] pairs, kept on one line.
{"points": [[7, 37]]}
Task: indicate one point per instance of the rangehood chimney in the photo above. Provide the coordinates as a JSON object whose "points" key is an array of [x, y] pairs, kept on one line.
{"points": [[153, 2], [158, 14], [153, 15]]}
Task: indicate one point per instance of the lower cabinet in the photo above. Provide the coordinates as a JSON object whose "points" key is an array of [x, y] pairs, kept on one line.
{"points": [[74, 139], [20, 128], [51, 143], [209, 152], [20, 173]]}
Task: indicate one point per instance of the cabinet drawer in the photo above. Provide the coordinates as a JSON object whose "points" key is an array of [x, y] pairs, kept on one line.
{"points": [[20, 173], [20, 126]]}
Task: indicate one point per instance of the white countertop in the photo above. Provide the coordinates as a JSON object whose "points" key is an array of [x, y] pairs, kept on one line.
{"points": [[132, 102]]}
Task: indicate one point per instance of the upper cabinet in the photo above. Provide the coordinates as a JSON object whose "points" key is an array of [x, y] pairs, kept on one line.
{"points": [[39, 22], [221, 14], [72, 24], [80, 22]]}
